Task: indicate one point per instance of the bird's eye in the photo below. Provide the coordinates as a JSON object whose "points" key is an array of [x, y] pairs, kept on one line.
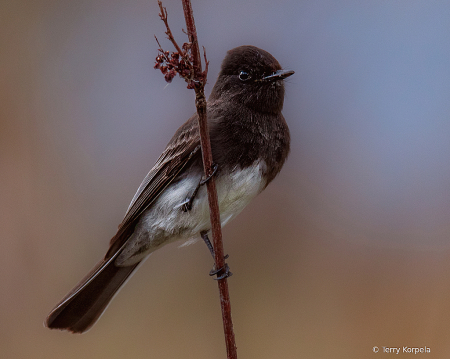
{"points": [[244, 76]]}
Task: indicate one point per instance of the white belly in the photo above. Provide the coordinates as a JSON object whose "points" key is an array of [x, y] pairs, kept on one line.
{"points": [[166, 222]]}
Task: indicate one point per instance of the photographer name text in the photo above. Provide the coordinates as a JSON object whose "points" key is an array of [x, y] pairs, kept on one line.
{"points": [[398, 350]]}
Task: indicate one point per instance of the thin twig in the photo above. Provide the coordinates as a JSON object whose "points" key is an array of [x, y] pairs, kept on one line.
{"points": [[190, 68], [211, 186], [163, 16], [205, 73], [192, 35]]}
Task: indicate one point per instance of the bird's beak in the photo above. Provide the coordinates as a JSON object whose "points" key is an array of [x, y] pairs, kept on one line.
{"points": [[278, 75]]}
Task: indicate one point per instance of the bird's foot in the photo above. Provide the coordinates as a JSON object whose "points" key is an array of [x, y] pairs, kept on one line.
{"points": [[221, 273], [187, 204], [215, 166]]}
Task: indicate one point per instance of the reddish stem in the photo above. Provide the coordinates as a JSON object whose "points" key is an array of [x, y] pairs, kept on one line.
{"points": [[192, 36], [197, 79], [200, 102]]}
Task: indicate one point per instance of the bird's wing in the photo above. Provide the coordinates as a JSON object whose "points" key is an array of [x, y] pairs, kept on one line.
{"points": [[81, 308], [181, 150]]}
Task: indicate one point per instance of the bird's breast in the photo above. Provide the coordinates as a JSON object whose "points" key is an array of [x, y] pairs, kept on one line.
{"points": [[166, 221], [235, 190]]}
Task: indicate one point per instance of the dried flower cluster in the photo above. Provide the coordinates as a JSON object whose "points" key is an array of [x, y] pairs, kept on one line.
{"points": [[174, 63], [181, 61]]}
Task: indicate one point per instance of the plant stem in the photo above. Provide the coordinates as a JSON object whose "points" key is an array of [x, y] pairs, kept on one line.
{"points": [[200, 102]]}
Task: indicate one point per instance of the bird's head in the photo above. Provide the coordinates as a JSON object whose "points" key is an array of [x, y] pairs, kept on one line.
{"points": [[252, 77]]}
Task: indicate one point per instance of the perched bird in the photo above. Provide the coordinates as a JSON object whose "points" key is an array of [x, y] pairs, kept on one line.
{"points": [[250, 143]]}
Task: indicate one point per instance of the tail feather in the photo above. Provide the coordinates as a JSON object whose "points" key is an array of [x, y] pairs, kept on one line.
{"points": [[81, 308]]}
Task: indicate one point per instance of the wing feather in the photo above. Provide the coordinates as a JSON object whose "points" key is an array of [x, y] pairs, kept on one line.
{"points": [[181, 150]]}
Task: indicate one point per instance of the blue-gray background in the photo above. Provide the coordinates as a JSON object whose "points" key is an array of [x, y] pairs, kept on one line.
{"points": [[348, 249]]}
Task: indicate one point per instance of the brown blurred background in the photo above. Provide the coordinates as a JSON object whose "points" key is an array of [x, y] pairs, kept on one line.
{"points": [[348, 249]]}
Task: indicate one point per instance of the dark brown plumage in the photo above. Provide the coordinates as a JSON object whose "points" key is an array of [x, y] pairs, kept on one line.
{"points": [[250, 143]]}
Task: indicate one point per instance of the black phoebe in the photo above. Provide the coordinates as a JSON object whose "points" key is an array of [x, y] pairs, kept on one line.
{"points": [[250, 143]]}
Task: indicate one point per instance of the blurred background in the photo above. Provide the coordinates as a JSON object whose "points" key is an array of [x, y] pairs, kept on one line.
{"points": [[348, 249]]}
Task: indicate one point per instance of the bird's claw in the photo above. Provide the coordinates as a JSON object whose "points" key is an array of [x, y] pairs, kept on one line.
{"points": [[221, 273], [186, 205], [215, 166]]}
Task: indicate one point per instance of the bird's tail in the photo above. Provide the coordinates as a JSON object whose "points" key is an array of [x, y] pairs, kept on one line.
{"points": [[81, 308]]}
